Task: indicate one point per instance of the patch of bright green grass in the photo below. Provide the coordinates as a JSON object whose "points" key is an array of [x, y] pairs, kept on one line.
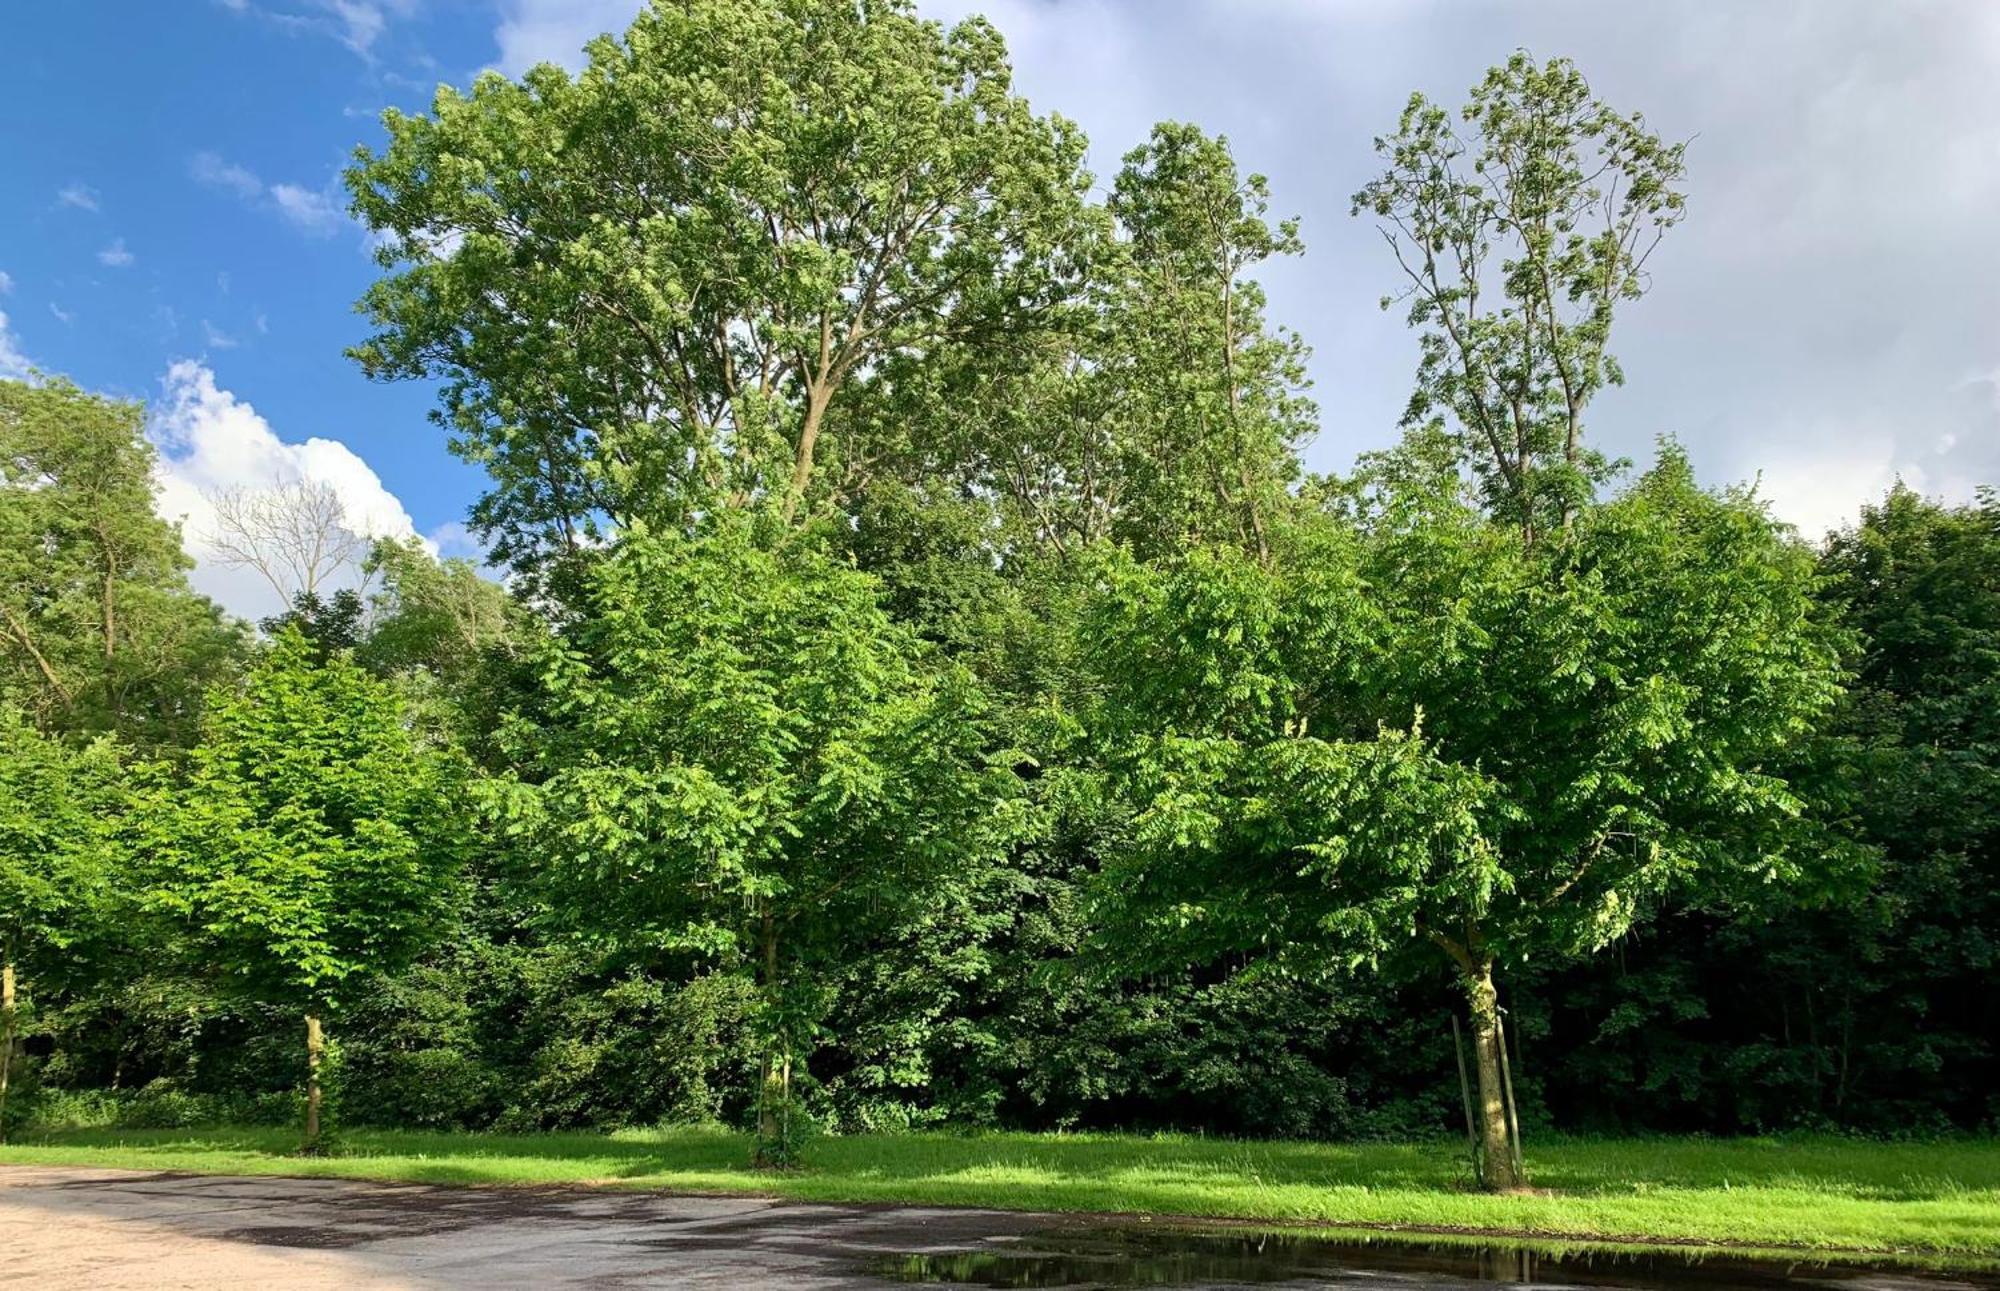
{"points": [[1826, 1194]]}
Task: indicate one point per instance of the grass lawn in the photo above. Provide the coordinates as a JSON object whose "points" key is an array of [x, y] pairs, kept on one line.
{"points": [[1833, 1195]]}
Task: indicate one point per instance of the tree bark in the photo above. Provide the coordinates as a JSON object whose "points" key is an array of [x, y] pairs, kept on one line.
{"points": [[817, 399], [776, 1086], [315, 1051], [1496, 1141], [6, 1035]]}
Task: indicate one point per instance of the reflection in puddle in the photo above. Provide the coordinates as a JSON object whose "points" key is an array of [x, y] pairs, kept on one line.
{"points": [[1121, 1257]]}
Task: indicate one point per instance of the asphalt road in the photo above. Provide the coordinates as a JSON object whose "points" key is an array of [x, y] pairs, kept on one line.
{"points": [[62, 1228]]}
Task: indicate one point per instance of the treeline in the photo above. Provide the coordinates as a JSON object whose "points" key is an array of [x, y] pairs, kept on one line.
{"points": [[926, 689]]}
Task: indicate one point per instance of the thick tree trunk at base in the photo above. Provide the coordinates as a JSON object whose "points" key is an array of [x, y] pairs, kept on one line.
{"points": [[315, 1050], [6, 1038], [1496, 1143]]}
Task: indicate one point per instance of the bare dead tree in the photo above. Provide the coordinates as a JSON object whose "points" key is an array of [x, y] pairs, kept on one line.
{"points": [[296, 535]]}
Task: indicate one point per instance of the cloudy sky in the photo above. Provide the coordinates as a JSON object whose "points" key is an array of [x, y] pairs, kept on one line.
{"points": [[1827, 319]]}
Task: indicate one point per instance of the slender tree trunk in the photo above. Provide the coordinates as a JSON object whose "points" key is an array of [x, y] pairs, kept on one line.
{"points": [[817, 398], [6, 1035], [1513, 1104], [1496, 1140], [1465, 1095], [776, 1087], [315, 1051]]}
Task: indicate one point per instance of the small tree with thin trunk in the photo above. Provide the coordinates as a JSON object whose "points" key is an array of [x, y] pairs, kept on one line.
{"points": [[312, 843], [739, 757], [1413, 730]]}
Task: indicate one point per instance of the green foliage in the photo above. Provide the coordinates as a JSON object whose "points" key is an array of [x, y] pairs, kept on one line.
{"points": [[925, 694], [1306, 770], [1863, 1004], [57, 811], [438, 616], [59, 808], [1208, 399], [1158, 407], [646, 287], [312, 840], [741, 758], [1519, 240], [328, 623], [158, 1105], [98, 629]]}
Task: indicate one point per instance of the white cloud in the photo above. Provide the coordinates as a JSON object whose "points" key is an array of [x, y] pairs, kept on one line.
{"points": [[6, 283], [357, 24], [116, 256], [1819, 493], [309, 211], [555, 31], [210, 168], [77, 195], [62, 315], [13, 363], [1813, 318], [210, 441], [453, 539], [217, 338]]}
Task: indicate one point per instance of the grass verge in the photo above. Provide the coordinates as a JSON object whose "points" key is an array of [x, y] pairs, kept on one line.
{"points": [[1827, 1195]]}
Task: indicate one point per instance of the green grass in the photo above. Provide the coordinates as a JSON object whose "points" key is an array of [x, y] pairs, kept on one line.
{"points": [[1830, 1195]]}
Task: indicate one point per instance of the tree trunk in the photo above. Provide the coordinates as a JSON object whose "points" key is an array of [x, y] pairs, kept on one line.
{"points": [[6, 1035], [818, 396], [315, 1051], [1498, 1168], [776, 1090]]}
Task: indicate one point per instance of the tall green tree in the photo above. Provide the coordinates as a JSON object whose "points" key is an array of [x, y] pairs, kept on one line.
{"points": [[1211, 396], [740, 757], [1520, 228], [59, 808], [99, 631], [1160, 406], [312, 843], [1417, 727], [646, 288]]}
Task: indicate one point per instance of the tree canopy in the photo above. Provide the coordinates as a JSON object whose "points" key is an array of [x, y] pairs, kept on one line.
{"points": [[647, 286], [910, 679], [99, 629]]}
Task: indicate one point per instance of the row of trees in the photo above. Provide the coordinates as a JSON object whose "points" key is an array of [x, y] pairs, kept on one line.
{"points": [[925, 686]]}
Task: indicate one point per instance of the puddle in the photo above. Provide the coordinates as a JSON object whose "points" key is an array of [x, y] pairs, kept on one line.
{"points": [[1117, 1257]]}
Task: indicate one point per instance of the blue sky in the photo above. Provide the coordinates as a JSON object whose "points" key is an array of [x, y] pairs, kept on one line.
{"points": [[172, 228], [172, 193]]}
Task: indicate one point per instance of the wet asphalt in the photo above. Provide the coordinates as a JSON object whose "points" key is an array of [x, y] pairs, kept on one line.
{"points": [[62, 1228], [66, 1228]]}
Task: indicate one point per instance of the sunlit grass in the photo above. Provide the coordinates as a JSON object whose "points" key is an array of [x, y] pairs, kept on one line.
{"points": [[1820, 1193]]}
